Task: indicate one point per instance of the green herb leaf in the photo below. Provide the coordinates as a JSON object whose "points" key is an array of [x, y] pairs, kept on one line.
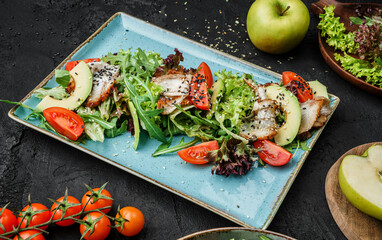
{"points": [[62, 77], [356, 20], [181, 145], [110, 133], [91, 118]]}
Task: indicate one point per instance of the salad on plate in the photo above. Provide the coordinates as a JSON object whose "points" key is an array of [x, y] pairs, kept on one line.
{"points": [[237, 120]]}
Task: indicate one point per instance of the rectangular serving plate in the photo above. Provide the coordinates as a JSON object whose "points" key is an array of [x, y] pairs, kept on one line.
{"points": [[251, 200]]}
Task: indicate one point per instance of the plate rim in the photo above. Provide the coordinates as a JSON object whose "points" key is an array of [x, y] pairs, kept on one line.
{"points": [[285, 188], [236, 228]]}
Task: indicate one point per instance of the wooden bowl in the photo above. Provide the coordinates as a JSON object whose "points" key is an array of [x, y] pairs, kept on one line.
{"points": [[344, 11]]}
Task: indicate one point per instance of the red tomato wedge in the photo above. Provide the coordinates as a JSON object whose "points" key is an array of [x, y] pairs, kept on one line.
{"points": [[271, 153], [199, 86], [72, 64], [197, 154], [205, 71], [295, 82], [65, 122]]}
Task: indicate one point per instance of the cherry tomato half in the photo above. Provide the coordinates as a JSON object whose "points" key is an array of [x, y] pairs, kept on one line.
{"points": [[72, 64], [101, 228], [37, 213], [8, 220], [296, 83], [71, 208], [272, 153], [97, 201], [65, 122], [197, 154], [29, 233], [199, 85], [135, 221]]}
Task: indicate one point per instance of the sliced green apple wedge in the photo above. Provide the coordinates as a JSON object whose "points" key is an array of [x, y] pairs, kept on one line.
{"points": [[360, 179]]}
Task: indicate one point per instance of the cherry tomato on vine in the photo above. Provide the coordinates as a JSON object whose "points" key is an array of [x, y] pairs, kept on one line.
{"points": [[99, 222], [36, 213], [37, 235], [129, 221], [8, 220], [200, 83], [97, 198], [72, 206], [296, 83], [72, 64], [272, 153], [198, 154], [65, 122]]}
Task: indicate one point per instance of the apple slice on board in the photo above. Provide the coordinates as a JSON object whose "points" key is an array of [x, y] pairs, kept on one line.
{"points": [[360, 178], [354, 224]]}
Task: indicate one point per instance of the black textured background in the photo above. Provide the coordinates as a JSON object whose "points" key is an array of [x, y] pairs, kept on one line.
{"points": [[35, 36]]}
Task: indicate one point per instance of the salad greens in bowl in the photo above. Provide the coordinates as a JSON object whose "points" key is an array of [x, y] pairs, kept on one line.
{"points": [[351, 41]]}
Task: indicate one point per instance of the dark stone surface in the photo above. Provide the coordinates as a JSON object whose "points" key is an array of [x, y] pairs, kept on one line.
{"points": [[35, 36]]}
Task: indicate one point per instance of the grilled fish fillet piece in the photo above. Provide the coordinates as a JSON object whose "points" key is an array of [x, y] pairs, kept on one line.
{"points": [[324, 112], [263, 125], [104, 76], [176, 89], [310, 110]]}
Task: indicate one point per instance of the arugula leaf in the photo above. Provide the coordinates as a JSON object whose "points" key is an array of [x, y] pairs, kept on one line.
{"points": [[296, 144], [167, 144], [62, 77], [92, 118], [110, 133], [137, 130], [356, 20], [144, 116], [137, 69], [199, 119], [181, 145], [17, 103]]}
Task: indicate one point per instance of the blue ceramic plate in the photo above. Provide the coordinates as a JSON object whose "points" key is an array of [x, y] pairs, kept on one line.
{"points": [[250, 200]]}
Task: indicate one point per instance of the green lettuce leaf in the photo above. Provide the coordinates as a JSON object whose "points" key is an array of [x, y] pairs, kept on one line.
{"points": [[371, 72], [335, 32], [94, 131], [56, 92], [62, 77]]}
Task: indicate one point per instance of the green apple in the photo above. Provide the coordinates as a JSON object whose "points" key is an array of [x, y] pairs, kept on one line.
{"points": [[360, 179], [277, 26]]}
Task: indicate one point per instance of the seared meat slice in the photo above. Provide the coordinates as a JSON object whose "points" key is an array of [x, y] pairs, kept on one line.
{"points": [[261, 92], [310, 111], [174, 84], [314, 114], [263, 125], [104, 76], [325, 109], [176, 87]]}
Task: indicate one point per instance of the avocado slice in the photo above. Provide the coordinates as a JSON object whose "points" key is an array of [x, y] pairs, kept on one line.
{"points": [[83, 79], [218, 89], [291, 109], [318, 89]]}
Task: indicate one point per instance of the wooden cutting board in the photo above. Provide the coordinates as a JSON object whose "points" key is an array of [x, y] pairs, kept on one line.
{"points": [[355, 224]]}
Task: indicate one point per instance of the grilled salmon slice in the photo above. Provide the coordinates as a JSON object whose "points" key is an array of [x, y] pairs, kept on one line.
{"points": [[104, 77]]}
